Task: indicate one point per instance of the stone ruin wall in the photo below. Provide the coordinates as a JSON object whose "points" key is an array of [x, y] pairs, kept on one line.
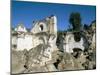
{"points": [[42, 37]]}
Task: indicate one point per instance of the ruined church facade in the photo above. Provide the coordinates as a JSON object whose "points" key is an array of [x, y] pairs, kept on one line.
{"points": [[38, 47], [43, 33], [25, 38]]}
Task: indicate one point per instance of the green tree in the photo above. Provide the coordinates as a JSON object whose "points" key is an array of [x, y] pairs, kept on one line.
{"points": [[75, 21]]}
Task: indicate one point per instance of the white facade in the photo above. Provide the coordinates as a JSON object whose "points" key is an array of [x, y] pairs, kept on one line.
{"points": [[70, 43], [14, 40], [24, 42]]}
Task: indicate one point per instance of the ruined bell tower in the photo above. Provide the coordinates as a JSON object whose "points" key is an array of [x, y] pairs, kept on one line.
{"points": [[48, 25]]}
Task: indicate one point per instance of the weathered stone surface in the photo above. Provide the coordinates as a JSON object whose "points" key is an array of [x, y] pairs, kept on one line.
{"points": [[66, 62], [49, 52], [18, 61]]}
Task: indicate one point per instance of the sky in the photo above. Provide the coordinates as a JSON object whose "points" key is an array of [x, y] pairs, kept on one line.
{"points": [[27, 12]]}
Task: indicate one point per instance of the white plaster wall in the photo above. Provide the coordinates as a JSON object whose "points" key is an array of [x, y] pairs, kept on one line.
{"points": [[14, 40], [24, 43], [71, 43]]}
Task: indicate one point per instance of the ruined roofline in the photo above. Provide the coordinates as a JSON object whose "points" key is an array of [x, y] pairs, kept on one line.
{"points": [[30, 33], [34, 22], [44, 19]]}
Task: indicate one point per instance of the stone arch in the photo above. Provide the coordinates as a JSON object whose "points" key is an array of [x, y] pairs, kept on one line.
{"points": [[42, 27], [71, 43]]}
